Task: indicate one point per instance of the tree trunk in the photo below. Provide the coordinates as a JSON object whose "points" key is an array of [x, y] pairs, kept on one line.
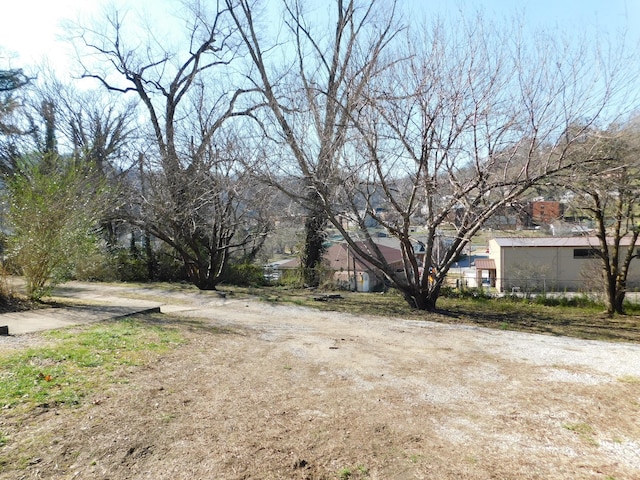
{"points": [[148, 251], [313, 248], [422, 300], [201, 280], [618, 299], [618, 306], [614, 299]]}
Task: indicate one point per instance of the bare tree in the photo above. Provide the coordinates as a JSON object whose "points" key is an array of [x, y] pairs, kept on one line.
{"points": [[191, 180], [312, 96], [456, 123], [98, 128], [102, 131], [611, 203], [470, 123]]}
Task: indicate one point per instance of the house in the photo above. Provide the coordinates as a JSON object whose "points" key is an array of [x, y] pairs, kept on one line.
{"points": [[353, 272], [547, 264], [350, 271]]}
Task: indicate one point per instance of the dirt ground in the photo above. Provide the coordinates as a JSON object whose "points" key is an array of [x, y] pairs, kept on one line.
{"points": [[282, 392]]}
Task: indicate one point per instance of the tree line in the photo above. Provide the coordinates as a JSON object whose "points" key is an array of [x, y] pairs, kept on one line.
{"points": [[195, 139]]}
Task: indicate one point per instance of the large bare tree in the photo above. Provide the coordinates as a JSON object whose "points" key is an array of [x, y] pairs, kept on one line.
{"points": [[467, 125], [470, 122], [607, 192], [189, 195], [312, 81], [435, 133]]}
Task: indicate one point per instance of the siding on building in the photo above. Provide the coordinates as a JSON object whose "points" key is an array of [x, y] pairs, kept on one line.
{"points": [[551, 263]]}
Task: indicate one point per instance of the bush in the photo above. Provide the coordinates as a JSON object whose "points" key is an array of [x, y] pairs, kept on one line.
{"points": [[290, 278], [124, 265], [53, 207], [582, 301], [245, 275], [119, 265], [466, 293]]}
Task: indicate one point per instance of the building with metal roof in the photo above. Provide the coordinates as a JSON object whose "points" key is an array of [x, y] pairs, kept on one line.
{"points": [[548, 264]]}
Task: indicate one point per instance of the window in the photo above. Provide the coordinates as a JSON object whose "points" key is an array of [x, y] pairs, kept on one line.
{"points": [[586, 253]]}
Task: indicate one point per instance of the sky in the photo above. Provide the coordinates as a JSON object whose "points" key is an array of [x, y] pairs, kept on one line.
{"points": [[30, 30]]}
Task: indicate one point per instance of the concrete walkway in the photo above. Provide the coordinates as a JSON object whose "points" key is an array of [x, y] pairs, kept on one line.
{"points": [[52, 318], [92, 302], [95, 309]]}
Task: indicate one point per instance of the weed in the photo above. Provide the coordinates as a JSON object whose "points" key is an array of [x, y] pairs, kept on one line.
{"points": [[345, 473], [629, 379], [580, 428], [348, 473], [168, 417], [584, 431]]}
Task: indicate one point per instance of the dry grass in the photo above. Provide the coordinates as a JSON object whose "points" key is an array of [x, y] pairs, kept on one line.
{"points": [[272, 391], [318, 402], [588, 322]]}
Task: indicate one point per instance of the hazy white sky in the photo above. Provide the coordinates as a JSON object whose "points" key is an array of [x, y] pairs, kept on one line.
{"points": [[29, 29]]}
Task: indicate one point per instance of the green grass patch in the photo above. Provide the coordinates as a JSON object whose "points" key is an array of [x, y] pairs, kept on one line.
{"points": [[78, 361], [584, 431], [355, 473]]}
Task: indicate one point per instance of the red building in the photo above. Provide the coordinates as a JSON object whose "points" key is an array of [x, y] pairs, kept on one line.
{"points": [[545, 211]]}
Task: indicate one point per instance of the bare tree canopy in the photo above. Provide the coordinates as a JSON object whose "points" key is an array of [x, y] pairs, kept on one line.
{"points": [[610, 202], [313, 94], [192, 193], [467, 125], [436, 130]]}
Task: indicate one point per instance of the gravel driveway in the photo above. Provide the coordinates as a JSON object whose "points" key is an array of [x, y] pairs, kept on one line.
{"points": [[290, 392]]}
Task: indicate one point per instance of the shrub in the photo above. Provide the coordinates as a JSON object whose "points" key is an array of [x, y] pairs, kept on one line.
{"points": [[53, 209], [467, 293], [244, 275], [583, 301]]}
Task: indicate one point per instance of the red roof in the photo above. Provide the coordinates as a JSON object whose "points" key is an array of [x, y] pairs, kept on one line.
{"points": [[485, 264], [342, 257]]}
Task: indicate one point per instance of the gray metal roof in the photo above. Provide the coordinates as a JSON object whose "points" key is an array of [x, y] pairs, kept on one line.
{"points": [[553, 241]]}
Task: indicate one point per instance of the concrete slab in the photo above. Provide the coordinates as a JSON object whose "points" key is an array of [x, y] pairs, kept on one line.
{"points": [[52, 318]]}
